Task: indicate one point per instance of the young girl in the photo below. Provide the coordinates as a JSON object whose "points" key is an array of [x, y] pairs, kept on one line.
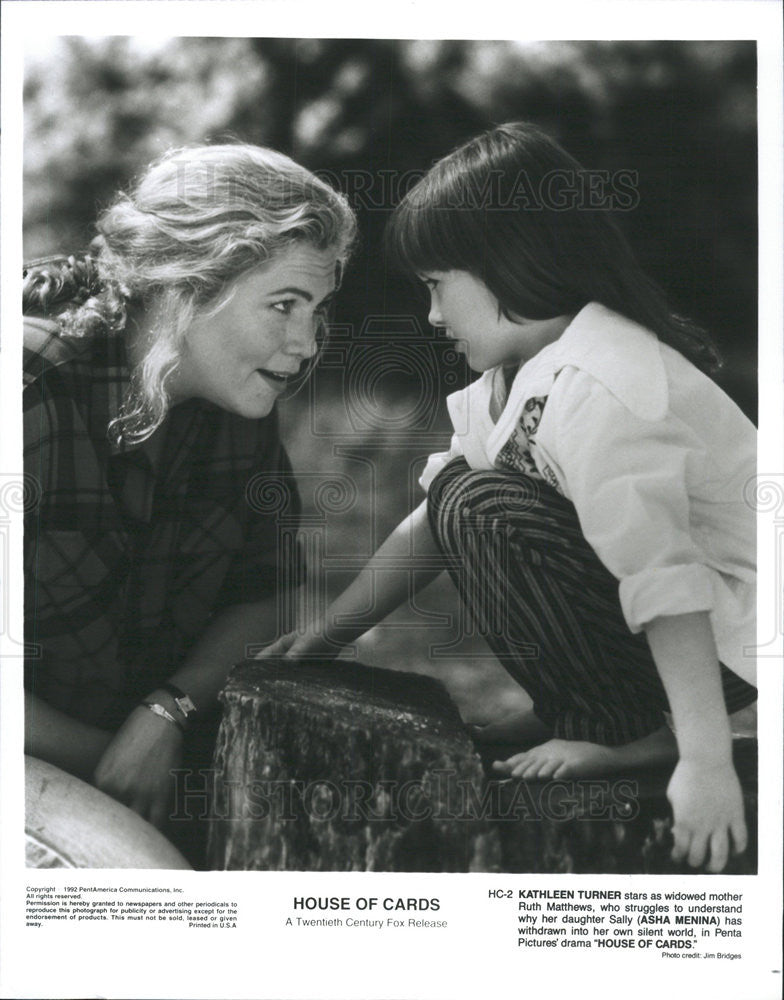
{"points": [[591, 504]]}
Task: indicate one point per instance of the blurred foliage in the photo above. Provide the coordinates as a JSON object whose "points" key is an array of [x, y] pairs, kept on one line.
{"points": [[682, 114]]}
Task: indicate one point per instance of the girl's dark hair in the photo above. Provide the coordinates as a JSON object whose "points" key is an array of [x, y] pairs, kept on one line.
{"points": [[500, 208]]}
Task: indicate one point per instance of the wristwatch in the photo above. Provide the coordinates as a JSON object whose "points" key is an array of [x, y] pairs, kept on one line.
{"points": [[162, 713], [181, 700]]}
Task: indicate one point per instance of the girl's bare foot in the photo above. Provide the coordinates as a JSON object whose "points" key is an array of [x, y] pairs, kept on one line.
{"points": [[520, 727], [577, 759]]}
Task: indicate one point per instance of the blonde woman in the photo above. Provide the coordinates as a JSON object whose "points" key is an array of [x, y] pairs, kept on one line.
{"points": [[152, 368]]}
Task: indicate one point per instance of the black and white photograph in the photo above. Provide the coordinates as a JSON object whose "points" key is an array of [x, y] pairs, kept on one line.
{"points": [[390, 479]]}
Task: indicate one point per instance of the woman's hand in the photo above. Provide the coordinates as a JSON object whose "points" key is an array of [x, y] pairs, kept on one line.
{"points": [[707, 805], [136, 767]]}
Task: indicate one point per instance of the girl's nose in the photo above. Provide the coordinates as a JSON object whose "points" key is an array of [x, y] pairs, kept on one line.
{"points": [[434, 317]]}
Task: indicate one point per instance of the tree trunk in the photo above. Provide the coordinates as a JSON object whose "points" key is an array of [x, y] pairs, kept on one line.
{"points": [[343, 767]]}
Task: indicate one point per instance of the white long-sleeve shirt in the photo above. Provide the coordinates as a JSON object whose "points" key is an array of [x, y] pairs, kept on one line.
{"points": [[656, 459]]}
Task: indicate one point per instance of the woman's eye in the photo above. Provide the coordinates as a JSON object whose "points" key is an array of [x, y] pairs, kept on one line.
{"points": [[284, 306]]}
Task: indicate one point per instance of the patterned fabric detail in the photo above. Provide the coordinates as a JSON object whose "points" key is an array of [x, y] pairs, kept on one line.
{"points": [[127, 559], [548, 608], [518, 452]]}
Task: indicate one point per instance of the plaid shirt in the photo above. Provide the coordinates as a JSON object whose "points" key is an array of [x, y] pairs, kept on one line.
{"points": [[127, 557]]}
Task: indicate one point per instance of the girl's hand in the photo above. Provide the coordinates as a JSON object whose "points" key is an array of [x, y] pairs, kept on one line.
{"points": [[279, 648], [312, 644], [707, 805], [136, 766]]}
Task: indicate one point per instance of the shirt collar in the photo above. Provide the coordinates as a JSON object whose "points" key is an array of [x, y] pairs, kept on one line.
{"points": [[620, 354]]}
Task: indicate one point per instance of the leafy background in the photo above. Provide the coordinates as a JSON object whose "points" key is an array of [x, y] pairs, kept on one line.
{"points": [[368, 113]]}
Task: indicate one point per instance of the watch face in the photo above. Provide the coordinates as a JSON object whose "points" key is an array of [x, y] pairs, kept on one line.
{"points": [[185, 705]]}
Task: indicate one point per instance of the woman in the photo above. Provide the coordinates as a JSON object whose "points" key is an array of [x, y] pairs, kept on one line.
{"points": [[151, 375]]}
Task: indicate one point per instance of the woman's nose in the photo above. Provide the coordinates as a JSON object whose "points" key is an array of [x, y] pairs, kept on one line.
{"points": [[434, 317], [302, 337], [311, 346]]}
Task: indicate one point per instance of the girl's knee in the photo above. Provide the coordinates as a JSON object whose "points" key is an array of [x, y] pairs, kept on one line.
{"points": [[462, 501], [482, 492]]}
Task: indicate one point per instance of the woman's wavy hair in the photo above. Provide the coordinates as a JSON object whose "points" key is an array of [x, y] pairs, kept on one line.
{"points": [[485, 209], [197, 219]]}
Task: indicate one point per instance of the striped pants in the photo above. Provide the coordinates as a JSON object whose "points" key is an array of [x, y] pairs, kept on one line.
{"points": [[548, 608]]}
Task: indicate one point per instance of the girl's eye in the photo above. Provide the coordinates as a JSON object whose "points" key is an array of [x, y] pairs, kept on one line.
{"points": [[284, 306]]}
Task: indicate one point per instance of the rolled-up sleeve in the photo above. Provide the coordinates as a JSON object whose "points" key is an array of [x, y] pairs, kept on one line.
{"points": [[627, 477]]}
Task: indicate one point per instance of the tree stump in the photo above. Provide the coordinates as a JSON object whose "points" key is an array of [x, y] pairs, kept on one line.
{"points": [[344, 767]]}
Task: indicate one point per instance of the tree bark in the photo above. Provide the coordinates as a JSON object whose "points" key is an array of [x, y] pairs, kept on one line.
{"points": [[343, 767]]}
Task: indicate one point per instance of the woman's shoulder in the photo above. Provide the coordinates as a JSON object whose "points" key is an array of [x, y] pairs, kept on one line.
{"points": [[45, 346], [59, 372]]}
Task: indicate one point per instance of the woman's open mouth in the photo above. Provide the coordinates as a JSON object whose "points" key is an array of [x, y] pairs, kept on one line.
{"points": [[280, 378]]}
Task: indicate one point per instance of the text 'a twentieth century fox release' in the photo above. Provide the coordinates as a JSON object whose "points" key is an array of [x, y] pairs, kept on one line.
{"points": [[673, 924]]}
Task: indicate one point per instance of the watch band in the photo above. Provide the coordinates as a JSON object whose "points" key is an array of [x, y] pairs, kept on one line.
{"points": [[160, 711], [181, 699]]}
